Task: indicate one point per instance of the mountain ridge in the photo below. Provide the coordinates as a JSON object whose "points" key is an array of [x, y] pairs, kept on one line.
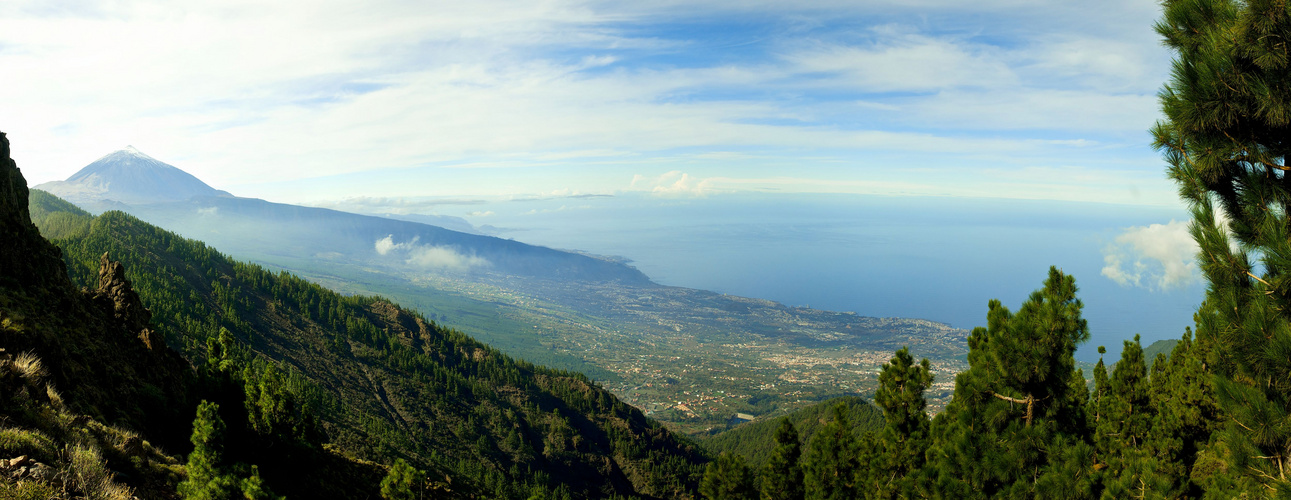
{"points": [[315, 389], [388, 382], [135, 183]]}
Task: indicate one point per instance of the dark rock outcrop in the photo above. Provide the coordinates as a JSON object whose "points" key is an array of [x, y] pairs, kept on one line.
{"points": [[33, 264], [117, 295], [27, 261], [115, 291]]}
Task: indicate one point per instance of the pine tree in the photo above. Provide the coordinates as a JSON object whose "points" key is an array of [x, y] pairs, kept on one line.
{"points": [[206, 479], [1227, 138], [271, 408], [1017, 419], [1102, 392], [253, 488], [1125, 429], [222, 353], [1130, 385], [728, 478], [400, 481], [782, 477], [1187, 413], [899, 449], [1127, 416], [831, 466]]}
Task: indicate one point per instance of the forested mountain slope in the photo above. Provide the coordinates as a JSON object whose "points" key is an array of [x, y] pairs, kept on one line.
{"points": [[314, 389], [387, 383], [94, 404], [97, 346], [755, 440]]}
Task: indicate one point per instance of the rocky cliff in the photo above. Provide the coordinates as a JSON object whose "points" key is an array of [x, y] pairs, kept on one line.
{"points": [[98, 346], [27, 261]]}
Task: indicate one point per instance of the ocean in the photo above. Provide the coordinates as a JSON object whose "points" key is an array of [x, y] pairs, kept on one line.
{"points": [[934, 258]]}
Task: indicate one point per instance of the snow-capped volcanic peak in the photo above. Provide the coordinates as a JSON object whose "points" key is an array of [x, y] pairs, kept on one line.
{"points": [[129, 153], [133, 151], [132, 177]]}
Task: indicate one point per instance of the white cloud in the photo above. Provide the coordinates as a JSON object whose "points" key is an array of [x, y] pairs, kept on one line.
{"points": [[387, 245], [208, 211], [431, 257], [1156, 257], [672, 185], [902, 61], [1110, 65], [248, 92], [438, 257], [1044, 109]]}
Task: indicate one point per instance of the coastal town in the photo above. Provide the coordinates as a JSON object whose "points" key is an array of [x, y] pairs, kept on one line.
{"points": [[697, 360]]}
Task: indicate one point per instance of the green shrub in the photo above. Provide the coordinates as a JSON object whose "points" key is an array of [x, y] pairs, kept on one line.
{"points": [[16, 442], [28, 490], [90, 474]]}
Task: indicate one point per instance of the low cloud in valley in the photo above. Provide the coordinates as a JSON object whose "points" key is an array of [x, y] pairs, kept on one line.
{"points": [[443, 258]]}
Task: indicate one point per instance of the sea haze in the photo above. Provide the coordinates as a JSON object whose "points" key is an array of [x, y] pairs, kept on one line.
{"points": [[937, 258]]}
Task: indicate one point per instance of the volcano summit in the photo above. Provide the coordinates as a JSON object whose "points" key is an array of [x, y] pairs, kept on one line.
{"points": [[131, 177]]}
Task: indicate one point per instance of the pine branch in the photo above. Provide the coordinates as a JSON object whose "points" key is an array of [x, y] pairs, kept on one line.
{"points": [[1239, 422], [1248, 159], [1029, 401], [1009, 399], [1281, 469], [1266, 475]]}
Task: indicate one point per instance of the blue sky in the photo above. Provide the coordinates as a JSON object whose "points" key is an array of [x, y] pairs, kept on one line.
{"points": [[1038, 100], [421, 105]]}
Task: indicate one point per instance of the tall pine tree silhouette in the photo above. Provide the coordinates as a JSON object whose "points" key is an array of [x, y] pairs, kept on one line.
{"points": [[782, 476], [830, 471], [897, 458], [1227, 137], [1016, 424]]}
